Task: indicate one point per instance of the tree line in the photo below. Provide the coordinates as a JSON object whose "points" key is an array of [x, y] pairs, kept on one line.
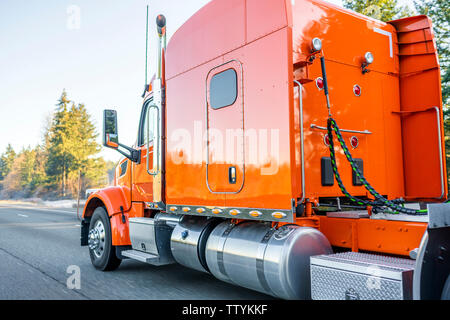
{"points": [[65, 163]]}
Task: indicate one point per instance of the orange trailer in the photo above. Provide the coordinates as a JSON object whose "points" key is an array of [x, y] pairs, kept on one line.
{"points": [[243, 168]]}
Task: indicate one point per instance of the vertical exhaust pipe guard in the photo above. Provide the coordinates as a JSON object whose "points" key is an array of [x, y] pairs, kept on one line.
{"points": [[258, 257]]}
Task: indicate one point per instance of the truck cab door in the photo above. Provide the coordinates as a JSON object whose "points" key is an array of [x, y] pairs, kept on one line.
{"points": [[225, 129], [143, 178]]}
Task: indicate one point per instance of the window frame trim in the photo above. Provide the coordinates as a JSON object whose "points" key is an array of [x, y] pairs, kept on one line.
{"points": [[145, 106], [207, 124], [236, 86]]}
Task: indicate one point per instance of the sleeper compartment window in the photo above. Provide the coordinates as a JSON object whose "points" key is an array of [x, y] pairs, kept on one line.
{"points": [[223, 89]]}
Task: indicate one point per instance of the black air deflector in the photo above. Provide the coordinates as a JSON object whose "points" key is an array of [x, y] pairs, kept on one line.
{"points": [[327, 172]]}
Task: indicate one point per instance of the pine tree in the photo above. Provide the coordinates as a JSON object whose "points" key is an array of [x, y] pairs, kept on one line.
{"points": [[59, 149], [12, 186], [39, 177], [6, 161], [71, 149], [91, 169]]}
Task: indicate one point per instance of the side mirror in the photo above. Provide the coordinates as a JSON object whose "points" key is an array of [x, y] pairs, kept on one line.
{"points": [[110, 135]]}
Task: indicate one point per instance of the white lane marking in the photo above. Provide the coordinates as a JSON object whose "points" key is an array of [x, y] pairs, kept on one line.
{"points": [[54, 227], [38, 225], [387, 34], [43, 209], [22, 215]]}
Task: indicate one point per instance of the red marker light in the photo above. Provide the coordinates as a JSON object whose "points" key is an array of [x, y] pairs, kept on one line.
{"points": [[326, 140], [319, 83], [357, 90], [354, 142]]}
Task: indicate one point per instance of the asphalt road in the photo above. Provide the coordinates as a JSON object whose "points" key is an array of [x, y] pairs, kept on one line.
{"points": [[38, 245]]}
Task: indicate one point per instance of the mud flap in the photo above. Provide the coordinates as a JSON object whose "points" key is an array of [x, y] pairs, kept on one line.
{"points": [[433, 259], [84, 232]]}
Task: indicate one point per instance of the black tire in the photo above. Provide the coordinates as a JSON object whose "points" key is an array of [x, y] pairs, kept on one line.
{"points": [[446, 290], [103, 255]]}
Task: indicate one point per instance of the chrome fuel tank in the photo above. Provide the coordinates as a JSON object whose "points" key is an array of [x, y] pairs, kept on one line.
{"points": [[188, 241], [258, 257]]}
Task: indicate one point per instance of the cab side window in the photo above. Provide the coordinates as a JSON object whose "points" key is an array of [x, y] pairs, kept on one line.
{"points": [[147, 134], [223, 89]]}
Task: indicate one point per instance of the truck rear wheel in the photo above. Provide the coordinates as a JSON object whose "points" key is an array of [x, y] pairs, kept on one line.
{"points": [[102, 252]]}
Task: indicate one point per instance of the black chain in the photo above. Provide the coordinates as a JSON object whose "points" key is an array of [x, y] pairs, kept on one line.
{"points": [[380, 201]]}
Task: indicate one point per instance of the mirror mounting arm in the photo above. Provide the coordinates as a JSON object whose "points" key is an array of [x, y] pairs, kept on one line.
{"points": [[133, 155]]}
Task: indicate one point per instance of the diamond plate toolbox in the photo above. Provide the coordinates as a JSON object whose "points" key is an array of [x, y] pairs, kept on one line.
{"points": [[361, 276]]}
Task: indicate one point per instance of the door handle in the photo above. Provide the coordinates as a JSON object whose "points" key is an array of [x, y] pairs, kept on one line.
{"points": [[232, 175]]}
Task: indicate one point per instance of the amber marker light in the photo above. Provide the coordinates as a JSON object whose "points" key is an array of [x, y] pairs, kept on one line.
{"points": [[200, 210], [278, 215], [255, 213], [234, 212], [216, 211]]}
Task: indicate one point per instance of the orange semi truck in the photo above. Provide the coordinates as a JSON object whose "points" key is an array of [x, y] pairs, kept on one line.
{"points": [[291, 147]]}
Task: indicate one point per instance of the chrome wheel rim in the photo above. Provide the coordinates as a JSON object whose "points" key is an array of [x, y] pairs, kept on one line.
{"points": [[96, 240]]}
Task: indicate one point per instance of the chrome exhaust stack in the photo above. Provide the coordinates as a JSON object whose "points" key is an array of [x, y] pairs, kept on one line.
{"points": [[161, 27], [157, 116]]}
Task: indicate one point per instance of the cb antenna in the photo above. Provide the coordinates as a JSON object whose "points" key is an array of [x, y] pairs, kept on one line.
{"points": [[146, 54]]}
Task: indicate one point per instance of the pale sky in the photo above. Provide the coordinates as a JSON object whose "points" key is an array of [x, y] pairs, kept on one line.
{"points": [[99, 59]]}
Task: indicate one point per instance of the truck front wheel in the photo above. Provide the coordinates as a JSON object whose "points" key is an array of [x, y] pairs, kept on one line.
{"points": [[102, 252]]}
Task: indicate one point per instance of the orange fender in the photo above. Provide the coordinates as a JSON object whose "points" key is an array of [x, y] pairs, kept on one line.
{"points": [[112, 198]]}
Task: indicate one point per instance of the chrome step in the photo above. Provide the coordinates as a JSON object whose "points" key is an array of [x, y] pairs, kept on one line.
{"points": [[348, 214], [147, 257]]}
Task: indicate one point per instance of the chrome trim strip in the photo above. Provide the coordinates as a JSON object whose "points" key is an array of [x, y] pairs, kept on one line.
{"points": [[302, 139], [441, 155], [266, 214], [207, 129], [313, 126], [220, 252], [262, 246], [384, 272], [389, 35], [156, 155]]}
